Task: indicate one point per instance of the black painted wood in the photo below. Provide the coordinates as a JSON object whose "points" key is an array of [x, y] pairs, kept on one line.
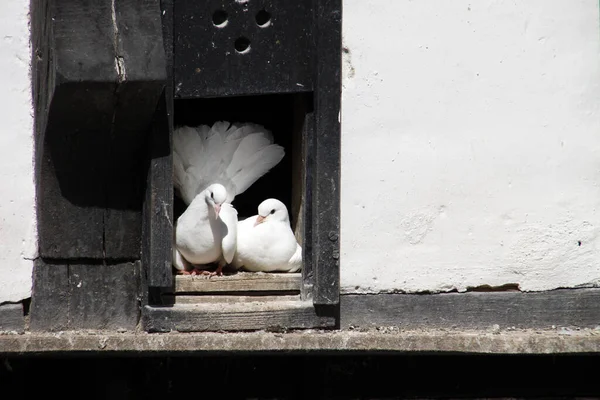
{"points": [[279, 59], [235, 317], [75, 100], [158, 217], [303, 80], [308, 156], [98, 72], [71, 297], [104, 296], [158, 207], [11, 318], [474, 310], [141, 55], [327, 147], [50, 297]]}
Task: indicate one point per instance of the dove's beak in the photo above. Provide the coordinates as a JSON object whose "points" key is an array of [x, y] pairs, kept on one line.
{"points": [[217, 209], [259, 220]]}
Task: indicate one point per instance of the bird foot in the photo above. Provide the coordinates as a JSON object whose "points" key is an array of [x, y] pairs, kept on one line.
{"points": [[196, 271]]}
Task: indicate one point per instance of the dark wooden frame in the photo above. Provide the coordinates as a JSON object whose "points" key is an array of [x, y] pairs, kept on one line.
{"points": [[98, 71], [474, 310], [321, 76]]}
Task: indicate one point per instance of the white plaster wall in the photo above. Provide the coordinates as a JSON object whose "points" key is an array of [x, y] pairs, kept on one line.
{"points": [[17, 217], [470, 145]]}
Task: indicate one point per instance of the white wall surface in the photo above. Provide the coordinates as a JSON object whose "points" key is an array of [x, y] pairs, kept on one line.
{"points": [[471, 144], [17, 217]]}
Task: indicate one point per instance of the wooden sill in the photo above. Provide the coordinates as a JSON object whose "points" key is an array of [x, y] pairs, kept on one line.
{"points": [[240, 282]]}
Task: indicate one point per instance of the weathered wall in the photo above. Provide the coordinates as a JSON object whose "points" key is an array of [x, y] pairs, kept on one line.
{"points": [[471, 144], [17, 218]]}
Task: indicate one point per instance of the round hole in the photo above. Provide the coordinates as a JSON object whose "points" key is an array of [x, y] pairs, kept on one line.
{"points": [[219, 18], [242, 45], [263, 19]]}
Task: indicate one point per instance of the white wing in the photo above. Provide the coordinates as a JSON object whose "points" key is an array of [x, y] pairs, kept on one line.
{"points": [[228, 215], [296, 260]]}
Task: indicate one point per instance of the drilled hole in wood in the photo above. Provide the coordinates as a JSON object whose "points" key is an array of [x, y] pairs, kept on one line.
{"points": [[242, 45], [263, 19], [219, 18]]}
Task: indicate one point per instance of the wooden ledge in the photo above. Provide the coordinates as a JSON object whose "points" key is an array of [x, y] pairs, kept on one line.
{"points": [[341, 342], [239, 282]]}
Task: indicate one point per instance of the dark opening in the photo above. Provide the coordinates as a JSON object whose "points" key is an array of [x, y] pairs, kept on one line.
{"points": [[283, 115], [242, 44], [263, 18], [219, 18]]}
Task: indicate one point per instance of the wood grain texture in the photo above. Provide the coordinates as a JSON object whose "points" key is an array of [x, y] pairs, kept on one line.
{"points": [[234, 317], [50, 297], [98, 72], [477, 310], [75, 100], [280, 53], [240, 282], [158, 232], [221, 299], [308, 160], [104, 296], [11, 318], [71, 297], [158, 204], [327, 147]]}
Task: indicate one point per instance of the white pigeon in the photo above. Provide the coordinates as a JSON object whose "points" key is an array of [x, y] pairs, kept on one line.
{"points": [[211, 166], [207, 231], [265, 242]]}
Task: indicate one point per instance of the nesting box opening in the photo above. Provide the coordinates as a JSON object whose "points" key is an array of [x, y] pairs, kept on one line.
{"points": [[283, 115]]}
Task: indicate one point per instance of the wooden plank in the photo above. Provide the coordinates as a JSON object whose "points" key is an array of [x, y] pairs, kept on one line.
{"points": [[141, 59], [240, 282], [84, 296], [221, 299], [11, 318], [308, 158], [99, 70], [50, 297], [326, 195], [158, 205], [474, 310], [76, 85], [104, 296], [280, 53], [234, 317]]}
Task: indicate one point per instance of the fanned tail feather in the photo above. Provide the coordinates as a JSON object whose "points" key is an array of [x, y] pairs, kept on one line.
{"points": [[234, 155]]}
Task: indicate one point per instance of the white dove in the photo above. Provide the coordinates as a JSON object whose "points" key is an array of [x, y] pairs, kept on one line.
{"points": [[207, 231], [265, 242], [211, 166]]}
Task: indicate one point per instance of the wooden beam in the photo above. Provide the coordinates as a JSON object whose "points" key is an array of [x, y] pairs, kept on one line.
{"points": [[474, 310], [234, 317], [50, 297], [83, 296], [327, 148], [158, 222], [240, 282], [11, 318], [98, 72]]}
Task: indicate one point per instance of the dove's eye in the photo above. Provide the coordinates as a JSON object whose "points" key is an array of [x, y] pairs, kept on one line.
{"points": [[272, 211], [212, 195]]}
